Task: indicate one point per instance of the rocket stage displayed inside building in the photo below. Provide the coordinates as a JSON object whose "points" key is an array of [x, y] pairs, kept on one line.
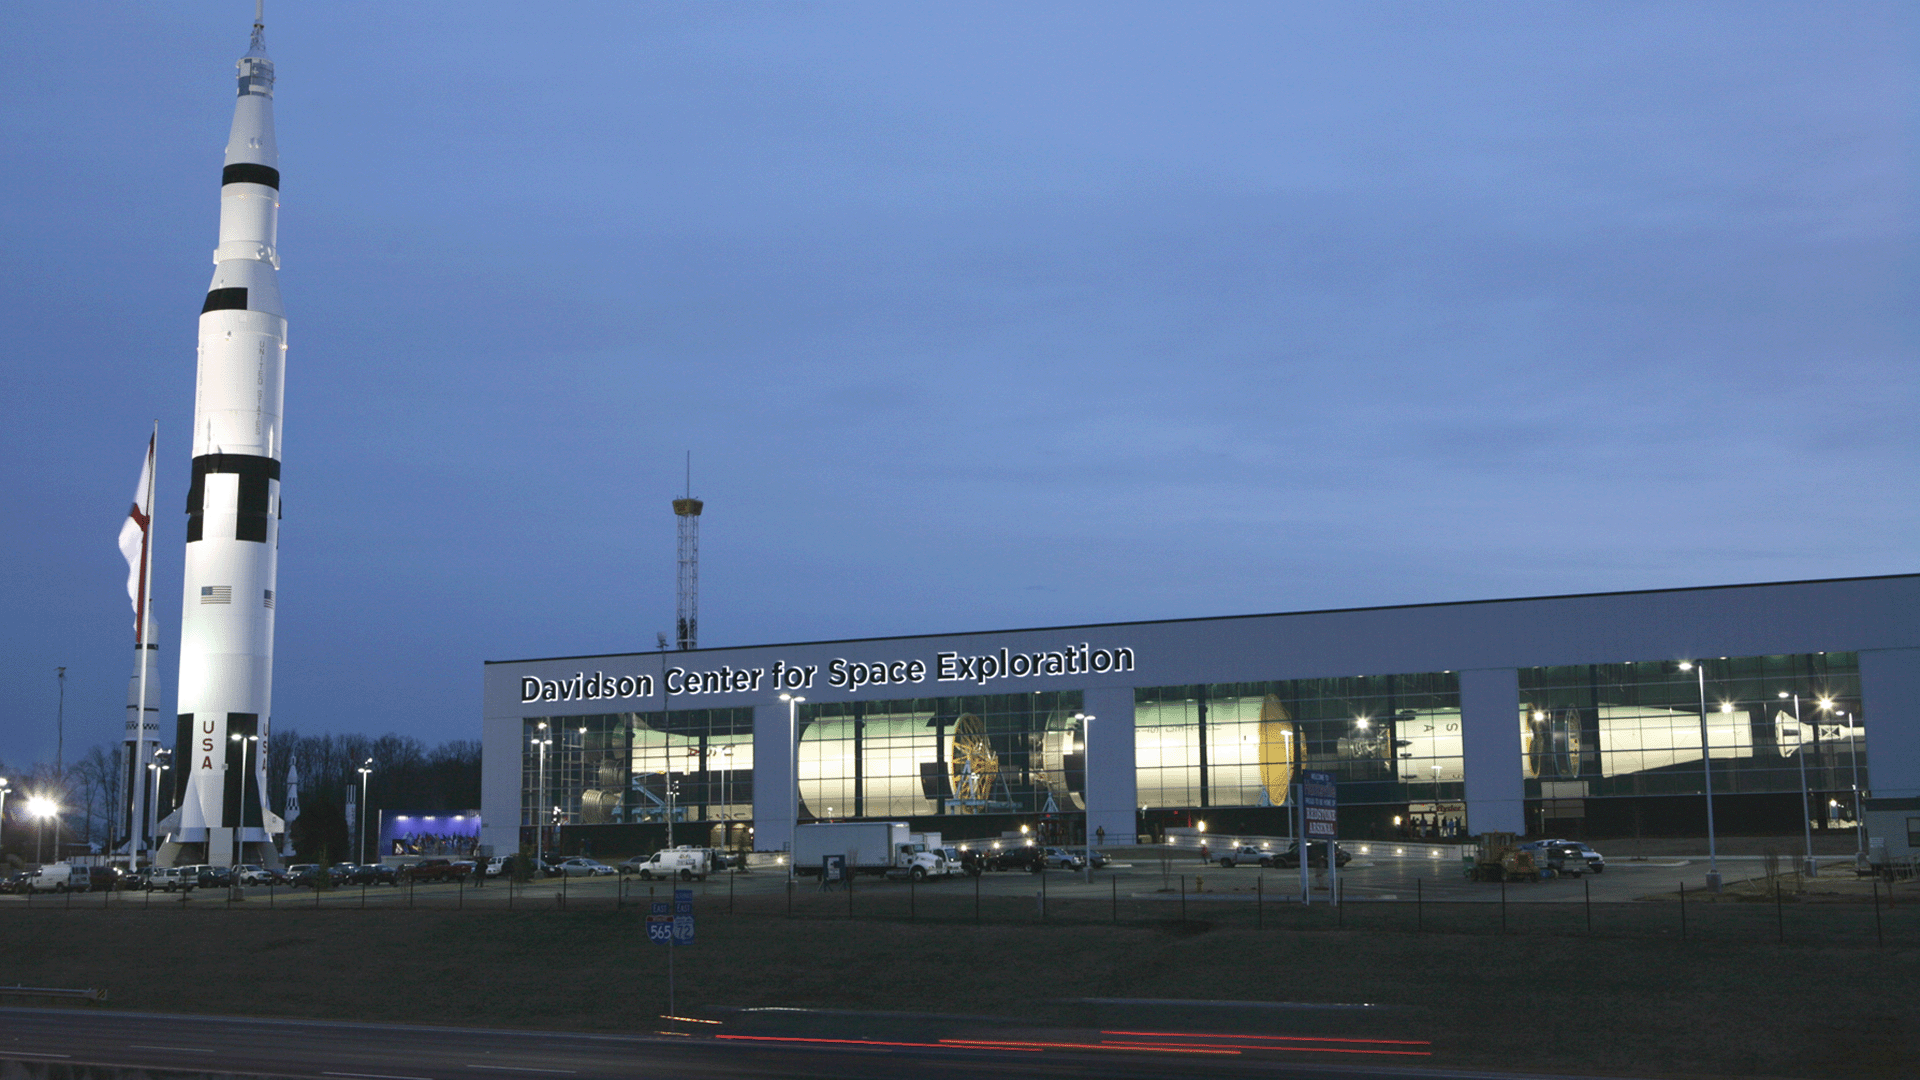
{"points": [[233, 508]]}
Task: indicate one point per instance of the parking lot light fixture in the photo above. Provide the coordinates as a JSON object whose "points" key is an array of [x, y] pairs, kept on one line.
{"points": [[3, 810], [1806, 807], [1086, 784], [366, 770], [793, 762], [1706, 771]]}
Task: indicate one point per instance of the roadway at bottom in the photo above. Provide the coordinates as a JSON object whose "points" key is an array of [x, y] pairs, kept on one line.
{"points": [[358, 1051]]}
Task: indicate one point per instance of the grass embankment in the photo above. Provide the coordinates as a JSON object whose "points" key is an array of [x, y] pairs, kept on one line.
{"points": [[1641, 1005]]}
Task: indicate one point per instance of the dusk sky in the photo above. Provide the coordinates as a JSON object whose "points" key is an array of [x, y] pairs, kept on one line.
{"points": [[972, 316]]}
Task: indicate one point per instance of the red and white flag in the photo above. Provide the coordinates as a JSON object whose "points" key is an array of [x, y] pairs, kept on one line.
{"points": [[135, 535]]}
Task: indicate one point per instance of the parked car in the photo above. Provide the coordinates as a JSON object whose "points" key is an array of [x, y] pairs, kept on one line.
{"points": [[211, 877], [1018, 857], [17, 882], [250, 874], [172, 879], [583, 867], [1290, 858], [61, 877], [308, 876], [431, 870], [136, 879], [497, 865], [103, 878], [1064, 859], [1570, 857], [1100, 859], [374, 874]]}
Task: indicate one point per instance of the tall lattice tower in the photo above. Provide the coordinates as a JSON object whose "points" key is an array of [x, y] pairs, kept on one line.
{"points": [[688, 509]]}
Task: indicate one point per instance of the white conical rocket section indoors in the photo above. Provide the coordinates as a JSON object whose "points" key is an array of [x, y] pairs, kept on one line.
{"points": [[233, 507]]}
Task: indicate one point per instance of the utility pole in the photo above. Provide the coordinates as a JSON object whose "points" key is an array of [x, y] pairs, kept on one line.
{"points": [[60, 726]]}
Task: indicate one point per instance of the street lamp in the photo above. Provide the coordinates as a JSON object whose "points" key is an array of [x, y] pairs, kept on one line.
{"points": [[1806, 811], [1086, 784], [1706, 770], [41, 808], [4, 788], [793, 760], [366, 772], [240, 815], [162, 761], [542, 740], [1853, 760], [726, 779]]}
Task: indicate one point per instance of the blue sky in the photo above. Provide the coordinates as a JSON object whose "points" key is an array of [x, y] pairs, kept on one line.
{"points": [[971, 315]]}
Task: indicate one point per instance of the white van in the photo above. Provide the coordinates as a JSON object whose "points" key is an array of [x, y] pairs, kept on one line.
{"points": [[683, 863], [62, 877]]}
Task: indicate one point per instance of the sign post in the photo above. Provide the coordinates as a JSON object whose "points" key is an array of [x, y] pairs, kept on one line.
{"points": [[671, 927], [1320, 807]]}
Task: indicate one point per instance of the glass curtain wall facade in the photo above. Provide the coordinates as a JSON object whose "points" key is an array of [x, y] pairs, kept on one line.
{"points": [[1393, 742], [637, 768], [1594, 732], [961, 757]]}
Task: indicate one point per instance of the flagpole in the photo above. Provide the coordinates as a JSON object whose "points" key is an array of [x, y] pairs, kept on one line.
{"points": [[139, 763]]}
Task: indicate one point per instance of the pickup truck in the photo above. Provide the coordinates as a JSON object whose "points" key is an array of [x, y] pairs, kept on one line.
{"points": [[436, 870], [1250, 854]]}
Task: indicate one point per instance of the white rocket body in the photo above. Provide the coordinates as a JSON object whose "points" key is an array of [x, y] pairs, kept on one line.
{"points": [[233, 506]]}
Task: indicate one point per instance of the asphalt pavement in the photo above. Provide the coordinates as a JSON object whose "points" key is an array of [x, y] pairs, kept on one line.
{"points": [[351, 1051]]}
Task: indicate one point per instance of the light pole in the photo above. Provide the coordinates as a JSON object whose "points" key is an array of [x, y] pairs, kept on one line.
{"points": [[726, 779], [542, 740], [1853, 760], [366, 808], [162, 761], [793, 761], [1806, 810], [1086, 784], [240, 813], [1706, 770], [4, 788], [41, 808]]}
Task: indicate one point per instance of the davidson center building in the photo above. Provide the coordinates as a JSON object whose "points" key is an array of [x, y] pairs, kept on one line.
{"points": [[1585, 716]]}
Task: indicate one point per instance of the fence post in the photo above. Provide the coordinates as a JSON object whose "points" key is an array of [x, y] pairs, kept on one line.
{"points": [[1419, 908], [913, 898], [1115, 883], [460, 898], [1183, 898], [731, 874], [1503, 902], [1043, 896], [1260, 902], [1779, 913], [1683, 911], [850, 877], [976, 896], [1879, 936]]}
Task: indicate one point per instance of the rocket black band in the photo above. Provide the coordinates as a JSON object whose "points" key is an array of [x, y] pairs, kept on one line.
{"points": [[265, 175], [225, 300], [255, 504]]}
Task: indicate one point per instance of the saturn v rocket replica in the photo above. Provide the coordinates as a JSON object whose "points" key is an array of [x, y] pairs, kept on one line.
{"points": [[233, 508]]}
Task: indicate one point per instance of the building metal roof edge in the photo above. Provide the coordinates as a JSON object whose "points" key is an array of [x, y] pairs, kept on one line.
{"points": [[1216, 618]]}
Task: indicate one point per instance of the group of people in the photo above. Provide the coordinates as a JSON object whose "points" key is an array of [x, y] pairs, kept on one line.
{"points": [[1430, 827], [424, 843]]}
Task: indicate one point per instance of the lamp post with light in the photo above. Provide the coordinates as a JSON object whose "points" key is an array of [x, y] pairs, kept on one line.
{"points": [[541, 740], [1811, 868], [366, 808], [1706, 771], [793, 762], [240, 814], [1853, 761], [1086, 784], [4, 788], [41, 808]]}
